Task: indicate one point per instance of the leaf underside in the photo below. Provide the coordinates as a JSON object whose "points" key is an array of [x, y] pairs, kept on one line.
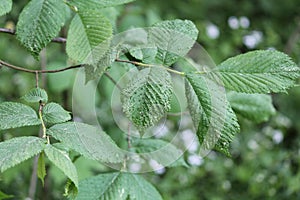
{"points": [[53, 113], [5, 7], [17, 150], [89, 36], [39, 22], [88, 141], [213, 118], [146, 98], [261, 71], [36, 95], [121, 186], [62, 160], [14, 115]]}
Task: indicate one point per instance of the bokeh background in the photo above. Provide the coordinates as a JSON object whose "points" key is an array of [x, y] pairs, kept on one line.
{"points": [[265, 161]]}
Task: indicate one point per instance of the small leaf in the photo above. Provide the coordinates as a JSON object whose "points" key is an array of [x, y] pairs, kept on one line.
{"points": [[121, 186], [5, 7], [89, 36], [36, 95], [39, 22], [211, 113], [258, 72], [165, 153], [255, 107], [14, 115], [71, 190], [53, 113], [62, 160], [41, 171], [146, 98], [96, 4], [17, 150], [87, 140], [173, 38]]}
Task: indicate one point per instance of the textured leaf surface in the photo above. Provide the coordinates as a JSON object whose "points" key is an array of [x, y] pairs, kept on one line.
{"points": [[41, 171], [62, 160], [161, 151], [36, 95], [53, 113], [17, 150], [121, 186], [39, 22], [97, 70], [173, 38], [146, 98], [88, 38], [96, 4], [88, 141], [259, 72], [5, 6], [256, 107], [13, 115], [211, 113]]}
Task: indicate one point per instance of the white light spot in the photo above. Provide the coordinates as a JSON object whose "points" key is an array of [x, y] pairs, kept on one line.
{"points": [[244, 22], [212, 31], [253, 39], [252, 144], [277, 137], [233, 22], [195, 160], [158, 168]]}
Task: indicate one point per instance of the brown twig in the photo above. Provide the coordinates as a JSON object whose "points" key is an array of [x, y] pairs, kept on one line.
{"points": [[37, 71], [13, 32]]}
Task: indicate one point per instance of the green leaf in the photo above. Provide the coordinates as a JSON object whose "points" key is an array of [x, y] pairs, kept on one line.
{"points": [[39, 22], [255, 107], [89, 36], [97, 70], [165, 153], [13, 115], [173, 38], [258, 72], [121, 186], [62, 160], [36, 95], [5, 196], [146, 98], [41, 171], [87, 140], [17, 150], [211, 113], [53, 113], [96, 4], [5, 7]]}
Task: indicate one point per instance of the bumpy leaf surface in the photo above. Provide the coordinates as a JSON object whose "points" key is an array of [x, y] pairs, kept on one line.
{"points": [[5, 6], [96, 4], [39, 22], [53, 113], [88, 141], [146, 98], [36, 95], [62, 160], [17, 150], [121, 186], [14, 115]]}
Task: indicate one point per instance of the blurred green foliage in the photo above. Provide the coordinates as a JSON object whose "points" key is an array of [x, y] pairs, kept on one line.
{"points": [[266, 157]]}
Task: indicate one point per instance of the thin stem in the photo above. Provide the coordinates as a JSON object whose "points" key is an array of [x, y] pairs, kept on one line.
{"points": [[37, 71], [150, 65], [113, 80], [41, 118], [36, 79], [33, 179], [12, 32]]}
